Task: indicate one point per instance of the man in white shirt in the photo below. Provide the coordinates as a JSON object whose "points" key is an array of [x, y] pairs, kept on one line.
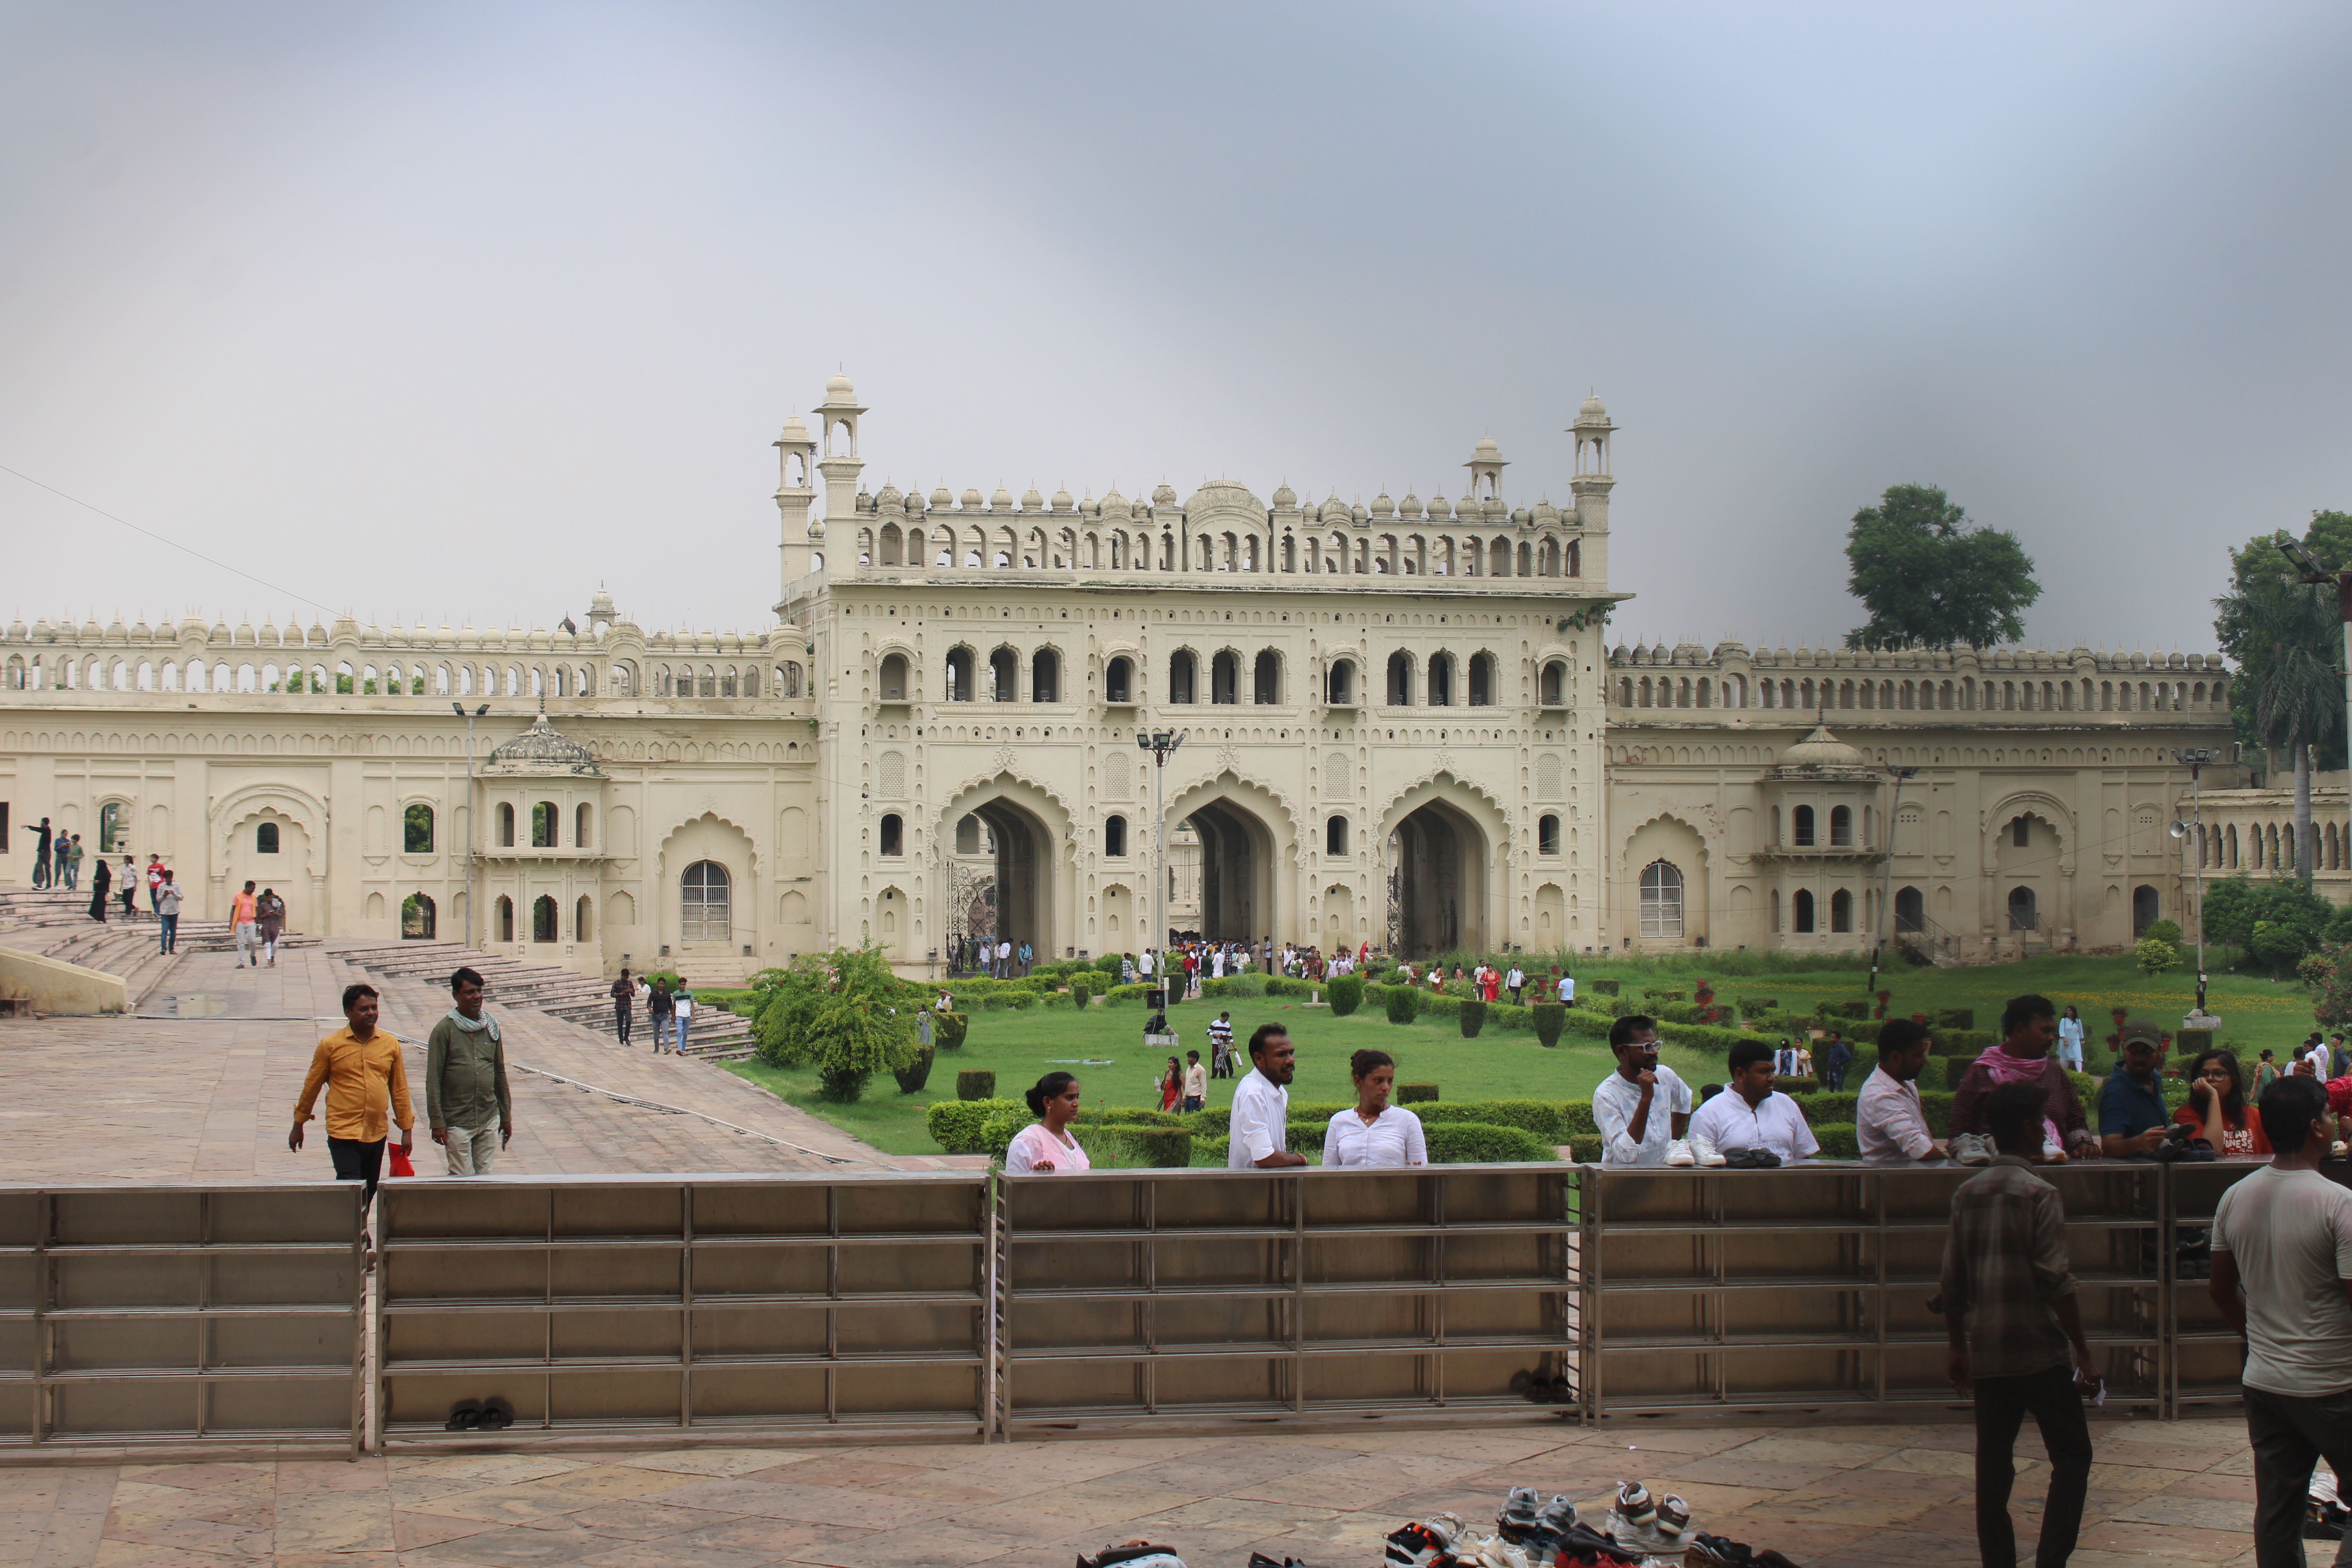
{"points": [[1749, 1116], [1260, 1121], [1888, 1122], [1514, 983], [1196, 1081], [1143, 967], [1567, 991], [2284, 1237], [1641, 1109], [1005, 961]]}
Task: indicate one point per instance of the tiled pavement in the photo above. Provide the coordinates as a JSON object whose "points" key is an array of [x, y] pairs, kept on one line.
{"points": [[208, 1098], [1828, 1497]]}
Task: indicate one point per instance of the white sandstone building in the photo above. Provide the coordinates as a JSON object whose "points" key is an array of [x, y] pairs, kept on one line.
{"points": [[1403, 727]]}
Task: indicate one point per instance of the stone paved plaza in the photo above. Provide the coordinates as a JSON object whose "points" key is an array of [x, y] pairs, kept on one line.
{"points": [[206, 1098]]}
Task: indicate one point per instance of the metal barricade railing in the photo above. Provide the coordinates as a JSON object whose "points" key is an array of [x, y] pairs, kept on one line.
{"points": [[659, 1305], [1809, 1286], [1142, 1296], [181, 1316]]}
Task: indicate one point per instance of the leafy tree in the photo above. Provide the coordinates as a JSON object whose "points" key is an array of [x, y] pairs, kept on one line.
{"points": [[2328, 975], [2153, 956], [2166, 931], [844, 1012], [1931, 579], [2287, 638], [2277, 944], [2235, 906]]}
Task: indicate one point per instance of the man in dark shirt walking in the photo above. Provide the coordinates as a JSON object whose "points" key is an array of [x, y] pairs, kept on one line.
{"points": [[2016, 1330], [41, 853], [624, 1001]]}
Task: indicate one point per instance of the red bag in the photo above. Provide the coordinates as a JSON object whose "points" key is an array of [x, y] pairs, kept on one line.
{"points": [[400, 1162]]}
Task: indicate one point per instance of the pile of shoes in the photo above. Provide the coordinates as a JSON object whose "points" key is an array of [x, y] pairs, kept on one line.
{"points": [[1539, 1386], [1688, 1151], [491, 1415], [1640, 1531]]}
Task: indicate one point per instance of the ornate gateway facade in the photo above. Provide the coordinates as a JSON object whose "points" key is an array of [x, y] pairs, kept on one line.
{"points": [[1400, 726]]}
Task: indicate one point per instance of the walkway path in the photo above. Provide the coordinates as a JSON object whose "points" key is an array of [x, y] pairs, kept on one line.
{"points": [[1864, 1497], [201, 1086]]}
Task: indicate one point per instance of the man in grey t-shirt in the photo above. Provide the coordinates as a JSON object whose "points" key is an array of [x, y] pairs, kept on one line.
{"points": [[2284, 1237]]}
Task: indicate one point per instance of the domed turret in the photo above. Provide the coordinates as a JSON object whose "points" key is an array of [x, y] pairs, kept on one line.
{"points": [[1001, 499], [1822, 750], [838, 390], [544, 750], [1439, 509], [1384, 507], [1592, 411], [1165, 495], [1285, 498], [941, 499], [1409, 506], [972, 503], [1061, 498], [1031, 500]]}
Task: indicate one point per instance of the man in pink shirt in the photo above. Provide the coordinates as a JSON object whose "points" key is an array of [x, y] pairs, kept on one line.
{"points": [[244, 917]]}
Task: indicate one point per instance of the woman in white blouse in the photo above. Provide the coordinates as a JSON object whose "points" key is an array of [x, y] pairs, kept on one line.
{"points": [[1046, 1144], [1373, 1131]]}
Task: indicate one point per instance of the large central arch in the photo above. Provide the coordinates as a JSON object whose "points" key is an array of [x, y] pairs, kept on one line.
{"points": [[1248, 850], [1443, 840], [1026, 824]]}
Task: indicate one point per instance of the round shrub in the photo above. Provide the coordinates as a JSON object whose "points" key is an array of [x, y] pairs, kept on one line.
{"points": [[1473, 1015], [948, 1030], [1403, 1001], [1346, 995], [1476, 1143], [1415, 1093], [975, 1083], [1082, 990], [1549, 1018]]}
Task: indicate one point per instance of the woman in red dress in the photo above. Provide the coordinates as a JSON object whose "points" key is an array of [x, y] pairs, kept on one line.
{"points": [[1171, 1086]]}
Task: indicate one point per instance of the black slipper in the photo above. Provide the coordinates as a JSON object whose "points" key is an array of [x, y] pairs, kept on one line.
{"points": [[464, 1416], [497, 1414]]}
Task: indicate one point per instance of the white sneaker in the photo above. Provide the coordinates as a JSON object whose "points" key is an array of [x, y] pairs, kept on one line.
{"points": [[1707, 1153], [1678, 1154], [1971, 1148]]}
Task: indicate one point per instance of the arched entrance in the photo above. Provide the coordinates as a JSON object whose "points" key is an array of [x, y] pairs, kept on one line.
{"points": [[1439, 860], [1238, 858], [1019, 830], [2147, 910], [1245, 849]]}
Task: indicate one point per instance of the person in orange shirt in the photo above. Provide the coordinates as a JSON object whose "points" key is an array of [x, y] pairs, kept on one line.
{"points": [[366, 1079], [245, 919]]}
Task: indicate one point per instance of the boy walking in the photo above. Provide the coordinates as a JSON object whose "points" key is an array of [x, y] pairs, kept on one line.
{"points": [[1221, 1047], [2016, 1330]]}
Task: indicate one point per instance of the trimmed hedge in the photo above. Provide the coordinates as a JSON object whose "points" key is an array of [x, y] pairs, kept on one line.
{"points": [[1082, 990], [975, 1083], [1346, 995], [1474, 1018], [1952, 1018], [1548, 1018], [1403, 1003], [917, 1073], [957, 1125], [1969, 1043], [948, 1030], [1599, 987], [1477, 1144], [1757, 1006], [1416, 1094], [1664, 994], [1118, 994]]}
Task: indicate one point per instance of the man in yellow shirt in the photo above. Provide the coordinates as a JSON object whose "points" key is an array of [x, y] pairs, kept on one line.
{"points": [[242, 918], [364, 1079]]}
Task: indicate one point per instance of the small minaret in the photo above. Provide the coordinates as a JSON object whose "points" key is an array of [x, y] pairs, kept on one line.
{"points": [[1486, 465], [839, 413], [1592, 484], [601, 614], [795, 493]]}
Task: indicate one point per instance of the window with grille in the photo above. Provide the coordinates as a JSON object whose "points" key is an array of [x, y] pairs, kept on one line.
{"points": [[703, 903], [1662, 900]]}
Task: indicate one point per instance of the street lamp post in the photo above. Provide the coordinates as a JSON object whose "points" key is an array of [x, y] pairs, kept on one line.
{"points": [[471, 810], [1886, 888], [1161, 745], [2196, 759]]}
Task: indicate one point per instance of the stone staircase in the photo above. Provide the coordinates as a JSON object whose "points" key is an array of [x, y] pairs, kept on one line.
{"points": [[716, 1035], [55, 923]]}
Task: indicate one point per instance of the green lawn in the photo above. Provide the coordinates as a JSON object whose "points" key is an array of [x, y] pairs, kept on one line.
{"points": [[1104, 1047]]}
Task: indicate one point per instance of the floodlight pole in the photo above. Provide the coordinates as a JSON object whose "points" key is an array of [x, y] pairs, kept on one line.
{"points": [[472, 810], [1887, 892], [1161, 745], [2195, 759]]}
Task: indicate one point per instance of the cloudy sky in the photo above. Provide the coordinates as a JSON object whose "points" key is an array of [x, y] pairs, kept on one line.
{"points": [[453, 311]]}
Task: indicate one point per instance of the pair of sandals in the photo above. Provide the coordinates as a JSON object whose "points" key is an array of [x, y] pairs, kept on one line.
{"points": [[1750, 1160], [491, 1415], [1540, 1387]]}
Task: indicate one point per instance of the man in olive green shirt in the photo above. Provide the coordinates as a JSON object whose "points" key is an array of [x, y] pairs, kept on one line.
{"points": [[465, 1099]]}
